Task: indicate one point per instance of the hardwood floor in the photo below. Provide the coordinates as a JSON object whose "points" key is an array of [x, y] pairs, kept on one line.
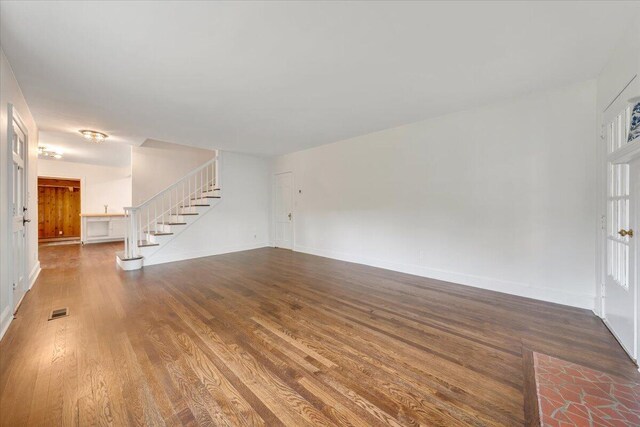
{"points": [[272, 337]]}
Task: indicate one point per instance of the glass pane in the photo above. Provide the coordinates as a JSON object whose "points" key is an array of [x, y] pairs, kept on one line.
{"points": [[618, 204]]}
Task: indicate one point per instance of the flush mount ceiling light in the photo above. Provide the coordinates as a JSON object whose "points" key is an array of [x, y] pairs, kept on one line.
{"points": [[49, 153], [93, 135]]}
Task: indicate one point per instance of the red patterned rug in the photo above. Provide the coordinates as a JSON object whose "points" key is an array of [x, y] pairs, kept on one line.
{"points": [[574, 395]]}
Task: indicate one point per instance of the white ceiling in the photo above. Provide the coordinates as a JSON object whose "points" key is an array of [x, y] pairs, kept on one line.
{"points": [[75, 148], [275, 77]]}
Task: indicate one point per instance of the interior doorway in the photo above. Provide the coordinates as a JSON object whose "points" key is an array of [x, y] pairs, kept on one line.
{"points": [[18, 204], [284, 210], [59, 201], [620, 287]]}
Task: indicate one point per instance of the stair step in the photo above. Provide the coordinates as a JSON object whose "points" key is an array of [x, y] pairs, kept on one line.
{"points": [[159, 233], [199, 204], [207, 197], [187, 213], [145, 243], [172, 223]]}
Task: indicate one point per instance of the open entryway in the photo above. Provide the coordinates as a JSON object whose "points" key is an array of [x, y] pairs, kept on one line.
{"points": [[18, 158], [284, 210], [58, 209]]}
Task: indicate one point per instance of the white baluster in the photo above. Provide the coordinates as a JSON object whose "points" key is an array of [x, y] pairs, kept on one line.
{"points": [[126, 234]]}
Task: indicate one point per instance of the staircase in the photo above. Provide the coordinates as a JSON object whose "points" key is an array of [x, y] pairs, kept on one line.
{"points": [[157, 221]]}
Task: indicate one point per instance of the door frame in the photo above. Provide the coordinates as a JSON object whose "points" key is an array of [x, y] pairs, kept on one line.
{"points": [[634, 187], [629, 154], [293, 209], [80, 180], [13, 115]]}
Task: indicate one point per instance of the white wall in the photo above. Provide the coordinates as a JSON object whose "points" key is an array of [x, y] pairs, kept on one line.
{"points": [[499, 197], [156, 164], [622, 70], [101, 185], [239, 221], [623, 65], [10, 93]]}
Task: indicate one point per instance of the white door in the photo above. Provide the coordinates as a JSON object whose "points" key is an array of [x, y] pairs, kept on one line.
{"points": [[620, 297], [284, 210], [18, 205]]}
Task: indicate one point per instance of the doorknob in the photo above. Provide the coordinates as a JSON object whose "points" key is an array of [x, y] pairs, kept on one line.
{"points": [[624, 232], [289, 216]]}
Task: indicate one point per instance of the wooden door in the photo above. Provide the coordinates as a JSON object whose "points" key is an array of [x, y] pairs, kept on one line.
{"points": [[58, 208]]}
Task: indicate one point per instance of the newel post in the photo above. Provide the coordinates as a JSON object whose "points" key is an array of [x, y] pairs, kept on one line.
{"points": [[130, 244]]}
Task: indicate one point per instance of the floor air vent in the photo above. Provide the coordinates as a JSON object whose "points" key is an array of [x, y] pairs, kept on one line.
{"points": [[58, 313]]}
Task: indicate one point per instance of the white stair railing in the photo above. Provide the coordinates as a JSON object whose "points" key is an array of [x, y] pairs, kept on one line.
{"points": [[152, 215]]}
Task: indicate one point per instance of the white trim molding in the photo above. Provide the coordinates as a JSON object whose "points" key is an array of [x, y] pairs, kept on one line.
{"points": [[5, 320], [621, 342], [7, 317], [629, 153], [35, 272], [493, 284]]}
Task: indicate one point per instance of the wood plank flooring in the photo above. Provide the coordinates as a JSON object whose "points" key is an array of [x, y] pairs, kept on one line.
{"points": [[272, 337]]}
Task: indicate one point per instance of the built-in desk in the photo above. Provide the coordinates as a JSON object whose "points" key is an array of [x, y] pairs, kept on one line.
{"points": [[102, 227]]}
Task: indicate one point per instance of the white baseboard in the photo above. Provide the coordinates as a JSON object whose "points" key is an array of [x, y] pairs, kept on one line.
{"points": [[597, 306], [172, 257], [104, 240], [615, 335], [5, 320], [7, 316], [35, 272], [493, 284]]}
